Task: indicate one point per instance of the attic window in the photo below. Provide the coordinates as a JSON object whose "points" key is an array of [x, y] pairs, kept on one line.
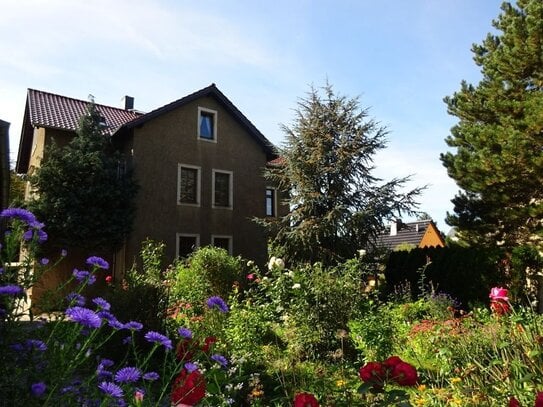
{"points": [[207, 124]]}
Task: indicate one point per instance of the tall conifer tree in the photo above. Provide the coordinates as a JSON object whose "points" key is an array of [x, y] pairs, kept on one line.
{"points": [[83, 193], [498, 141], [336, 205]]}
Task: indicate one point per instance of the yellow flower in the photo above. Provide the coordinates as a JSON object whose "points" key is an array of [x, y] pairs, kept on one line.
{"points": [[421, 387], [340, 383], [455, 380]]}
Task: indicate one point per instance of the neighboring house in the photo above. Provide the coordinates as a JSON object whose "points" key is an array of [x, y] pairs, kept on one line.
{"points": [[422, 233], [198, 161]]}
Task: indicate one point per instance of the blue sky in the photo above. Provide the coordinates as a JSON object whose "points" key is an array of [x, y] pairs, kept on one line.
{"points": [[400, 57]]}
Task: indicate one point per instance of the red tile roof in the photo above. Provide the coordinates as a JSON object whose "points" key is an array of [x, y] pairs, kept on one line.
{"points": [[61, 112]]}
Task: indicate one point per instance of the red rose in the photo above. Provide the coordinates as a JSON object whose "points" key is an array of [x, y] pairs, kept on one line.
{"points": [[305, 400], [404, 374], [500, 307], [109, 279], [539, 399], [513, 402], [372, 372], [188, 388]]}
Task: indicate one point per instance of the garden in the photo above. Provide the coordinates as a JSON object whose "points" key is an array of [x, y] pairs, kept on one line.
{"points": [[216, 330]]}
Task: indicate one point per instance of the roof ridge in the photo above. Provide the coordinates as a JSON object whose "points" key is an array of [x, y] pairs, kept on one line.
{"points": [[77, 100]]}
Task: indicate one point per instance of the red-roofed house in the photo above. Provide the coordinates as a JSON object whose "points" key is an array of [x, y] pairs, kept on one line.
{"points": [[198, 162]]}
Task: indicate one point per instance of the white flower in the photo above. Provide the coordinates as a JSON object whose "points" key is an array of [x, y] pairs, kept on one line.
{"points": [[271, 263], [361, 252], [296, 286], [279, 263]]}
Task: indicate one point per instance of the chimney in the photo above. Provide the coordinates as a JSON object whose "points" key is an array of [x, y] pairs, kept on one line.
{"points": [[394, 227], [128, 103]]}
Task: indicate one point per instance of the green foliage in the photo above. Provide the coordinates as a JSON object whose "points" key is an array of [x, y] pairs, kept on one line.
{"points": [[526, 262], [83, 191], [217, 267], [17, 186], [336, 205], [463, 273], [498, 142], [141, 295]]}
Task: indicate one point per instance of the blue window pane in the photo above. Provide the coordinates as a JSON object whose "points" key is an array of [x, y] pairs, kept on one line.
{"points": [[206, 125]]}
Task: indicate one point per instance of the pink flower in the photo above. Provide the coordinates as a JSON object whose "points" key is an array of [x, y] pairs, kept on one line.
{"points": [[539, 399], [251, 276], [498, 294]]}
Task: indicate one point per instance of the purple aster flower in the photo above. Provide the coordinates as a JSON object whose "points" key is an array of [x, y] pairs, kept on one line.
{"points": [[44, 261], [185, 333], [217, 302], [28, 235], [101, 303], [80, 275], [156, 337], [106, 362], [19, 213], [127, 340], [220, 359], [35, 344], [38, 389], [191, 367], [133, 325], [75, 299], [64, 252], [42, 236], [111, 389], [98, 262], [128, 375], [11, 290], [84, 316], [151, 376]]}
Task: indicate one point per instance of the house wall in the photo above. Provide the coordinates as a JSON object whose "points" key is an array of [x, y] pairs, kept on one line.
{"points": [[431, 238], [160, 145]]}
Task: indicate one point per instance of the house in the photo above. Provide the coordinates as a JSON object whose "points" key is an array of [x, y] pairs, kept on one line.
{"points": [[422, 233], [198, 161]]}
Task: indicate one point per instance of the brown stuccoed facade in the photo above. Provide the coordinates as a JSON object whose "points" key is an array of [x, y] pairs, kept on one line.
{"points": [[161, 147]]}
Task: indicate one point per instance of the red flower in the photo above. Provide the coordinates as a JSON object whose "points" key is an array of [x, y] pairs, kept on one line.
{"points": [[539, 399], [404, 374], [109, 279], [184, 350], [391, 362], [208, 342], [305, 400], [513, 402], [372, 372], [499, 307], [188, 388]]}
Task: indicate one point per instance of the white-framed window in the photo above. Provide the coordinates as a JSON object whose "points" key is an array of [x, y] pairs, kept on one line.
{"points": [[222, 241], [186, 243], [207, 124], [188, 184], [271, 201], [222, 189]]}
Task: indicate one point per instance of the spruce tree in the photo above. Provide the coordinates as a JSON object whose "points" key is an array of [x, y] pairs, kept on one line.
{"points": [[498, 140], [336, 205], [82, 191]]}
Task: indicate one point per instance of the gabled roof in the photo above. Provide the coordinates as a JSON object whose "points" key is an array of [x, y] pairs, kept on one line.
{"points": [[44, 109], [213, 91], [408, 232]]}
